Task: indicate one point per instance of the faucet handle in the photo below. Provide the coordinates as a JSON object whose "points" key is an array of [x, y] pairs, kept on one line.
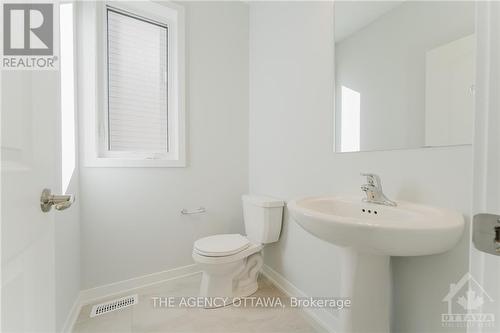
{"points": [[372, 179]]}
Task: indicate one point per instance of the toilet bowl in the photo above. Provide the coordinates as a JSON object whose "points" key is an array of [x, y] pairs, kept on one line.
{"points": [[231, 262]]}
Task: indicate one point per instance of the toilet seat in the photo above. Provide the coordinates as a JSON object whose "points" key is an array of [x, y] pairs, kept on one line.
{"points": [[221, 245]]}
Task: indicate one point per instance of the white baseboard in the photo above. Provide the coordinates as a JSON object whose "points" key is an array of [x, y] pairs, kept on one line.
{"points": [[321, 317], [91, 295], [72, 316]]}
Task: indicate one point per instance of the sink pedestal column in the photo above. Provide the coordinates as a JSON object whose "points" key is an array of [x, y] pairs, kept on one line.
{"points": [[366, 280]]}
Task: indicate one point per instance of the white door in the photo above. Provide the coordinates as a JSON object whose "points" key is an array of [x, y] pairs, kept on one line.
{"points": [[30, 148], [486, 199]]}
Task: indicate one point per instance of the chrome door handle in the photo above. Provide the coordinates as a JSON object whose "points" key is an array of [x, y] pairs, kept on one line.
{"points": [[60, 202], [486, 233]]}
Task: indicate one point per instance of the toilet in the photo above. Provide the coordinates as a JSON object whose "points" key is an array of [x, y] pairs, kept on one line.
{"points": [[231, 262]]}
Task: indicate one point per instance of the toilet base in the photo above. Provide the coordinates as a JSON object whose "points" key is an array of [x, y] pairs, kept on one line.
{"points": [[247, 290], [230, 280]]}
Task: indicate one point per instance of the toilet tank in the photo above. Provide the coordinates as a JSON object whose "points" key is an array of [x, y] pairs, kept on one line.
{"points": [[262, 216]]}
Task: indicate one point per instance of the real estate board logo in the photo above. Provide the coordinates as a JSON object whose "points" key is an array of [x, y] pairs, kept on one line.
{"points": [[466, 300], [28, 36]]}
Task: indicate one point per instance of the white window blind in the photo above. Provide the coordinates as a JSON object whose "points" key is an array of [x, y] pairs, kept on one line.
{"points": [[137, 84]]}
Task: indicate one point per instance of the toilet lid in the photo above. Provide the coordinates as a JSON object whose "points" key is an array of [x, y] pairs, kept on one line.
{"points": [[221, 245]]}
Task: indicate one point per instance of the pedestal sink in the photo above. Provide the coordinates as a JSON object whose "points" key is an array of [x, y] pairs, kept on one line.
{"points": [[370, 234]]}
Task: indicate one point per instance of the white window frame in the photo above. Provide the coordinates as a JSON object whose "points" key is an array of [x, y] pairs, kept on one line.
{"points": [[96, 141]]}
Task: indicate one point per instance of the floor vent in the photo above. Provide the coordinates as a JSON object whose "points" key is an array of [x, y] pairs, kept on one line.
{"points": [[113, 305]]}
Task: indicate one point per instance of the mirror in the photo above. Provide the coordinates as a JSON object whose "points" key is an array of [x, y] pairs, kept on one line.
{"points": [[404, 73]]}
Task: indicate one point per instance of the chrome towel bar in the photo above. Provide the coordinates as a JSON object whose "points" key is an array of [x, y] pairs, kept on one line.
{"points": [[199, 210]]}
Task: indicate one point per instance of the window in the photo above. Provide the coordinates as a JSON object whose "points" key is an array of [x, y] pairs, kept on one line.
{"points": [[140, 118], [351, 121], [137, 84]]}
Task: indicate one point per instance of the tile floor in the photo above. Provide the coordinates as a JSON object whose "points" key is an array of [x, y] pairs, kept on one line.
{"points": [[144, 317]]}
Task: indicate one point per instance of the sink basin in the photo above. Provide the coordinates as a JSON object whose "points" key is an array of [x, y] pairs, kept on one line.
{"points": [[369, 234], [405, 230]]}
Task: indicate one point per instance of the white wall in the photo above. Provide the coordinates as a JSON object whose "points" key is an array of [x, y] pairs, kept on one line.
{"points": [[385, 63], [67, 222], [291, 155], [131, 221], [67, 256]]}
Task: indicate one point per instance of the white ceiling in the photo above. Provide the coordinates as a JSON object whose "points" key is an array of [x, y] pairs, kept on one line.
{"points": [[351, 16]]}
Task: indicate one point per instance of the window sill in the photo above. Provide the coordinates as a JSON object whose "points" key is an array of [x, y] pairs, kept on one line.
{"points": [[108, 162]]}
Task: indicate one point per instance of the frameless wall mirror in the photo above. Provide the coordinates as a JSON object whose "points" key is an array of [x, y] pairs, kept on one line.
{"points": [[404, 73]]}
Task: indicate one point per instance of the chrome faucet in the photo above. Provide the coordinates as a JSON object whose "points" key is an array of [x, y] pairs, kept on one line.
{"points": [[373, 190]]}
